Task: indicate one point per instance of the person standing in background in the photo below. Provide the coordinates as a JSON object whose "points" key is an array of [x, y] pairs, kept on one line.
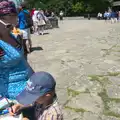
{"points": [[61, 15], [52, 14], [116, 17], [35, 22], [98, 16], [89, 17], [32, 12], [113, 17], [47, 14], [107, 16], [119, 16], [24, 24], [41, 21]]}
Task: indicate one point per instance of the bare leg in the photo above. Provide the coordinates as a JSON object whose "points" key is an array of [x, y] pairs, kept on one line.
{"points": [[25, 49], [30, 43], [27, 46], [35, 27], [42, 29]]}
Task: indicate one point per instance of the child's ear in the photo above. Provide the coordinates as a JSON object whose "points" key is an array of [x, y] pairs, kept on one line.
{"points": [[48, 95]]}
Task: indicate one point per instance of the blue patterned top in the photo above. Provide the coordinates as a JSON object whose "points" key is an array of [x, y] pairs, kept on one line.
{"points": [[14, 71]]}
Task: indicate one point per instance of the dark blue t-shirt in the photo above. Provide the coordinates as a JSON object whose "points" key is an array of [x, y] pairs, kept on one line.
{"points": [[22, 19], [113, 15]]}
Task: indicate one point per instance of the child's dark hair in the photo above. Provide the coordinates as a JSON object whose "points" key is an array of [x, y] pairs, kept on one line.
{"points": [[24, 5]]}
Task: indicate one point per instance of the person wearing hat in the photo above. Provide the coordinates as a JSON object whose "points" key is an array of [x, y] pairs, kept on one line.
{"points": [[40, 98], [14, 69]]}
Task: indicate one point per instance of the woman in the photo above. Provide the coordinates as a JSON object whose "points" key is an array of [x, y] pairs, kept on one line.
{"points": [[14, 69], [41, 21], [61, 15]]}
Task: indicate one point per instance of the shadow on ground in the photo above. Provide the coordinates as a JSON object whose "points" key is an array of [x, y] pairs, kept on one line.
{"points": [[36, 49], [46, 33]]}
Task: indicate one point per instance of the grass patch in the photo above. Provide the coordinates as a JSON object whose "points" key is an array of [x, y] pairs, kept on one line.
{"points": [[116, 100], [72, 92], [113, 73], [108, 51], [76, 109], [105, 98], [102, 79], [112, 114], [115, 50]]}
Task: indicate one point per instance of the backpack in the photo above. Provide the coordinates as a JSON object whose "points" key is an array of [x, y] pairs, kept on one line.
{"points": [[38, 16], [29, 21], [41, 16]]}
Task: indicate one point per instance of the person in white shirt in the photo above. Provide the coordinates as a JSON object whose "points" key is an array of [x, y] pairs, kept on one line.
{"points": [[61, 15], [39, 20], [101, 15], [98, 16], [42, 19], [35, 21]]}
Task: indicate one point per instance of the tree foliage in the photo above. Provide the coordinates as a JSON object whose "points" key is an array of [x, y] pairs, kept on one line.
{"points": [[71, 7]]}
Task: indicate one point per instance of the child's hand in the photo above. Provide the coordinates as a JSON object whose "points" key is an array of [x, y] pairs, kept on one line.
{"points": [[14, 109]]}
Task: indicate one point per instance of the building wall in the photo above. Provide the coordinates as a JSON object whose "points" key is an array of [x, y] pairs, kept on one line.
{"points": [[116, 3]]}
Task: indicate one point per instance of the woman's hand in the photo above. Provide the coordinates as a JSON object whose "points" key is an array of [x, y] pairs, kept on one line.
{"points": [[14, 109]]}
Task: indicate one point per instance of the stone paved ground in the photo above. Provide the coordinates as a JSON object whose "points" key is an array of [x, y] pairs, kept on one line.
{"points": [[84, 57]]}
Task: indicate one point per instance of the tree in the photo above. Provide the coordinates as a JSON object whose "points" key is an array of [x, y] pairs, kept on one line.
{"points": [[78, 7], [71, 7]]}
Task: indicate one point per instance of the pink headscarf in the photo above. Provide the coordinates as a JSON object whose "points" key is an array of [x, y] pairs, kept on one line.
{"points": [[7, 7]]}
